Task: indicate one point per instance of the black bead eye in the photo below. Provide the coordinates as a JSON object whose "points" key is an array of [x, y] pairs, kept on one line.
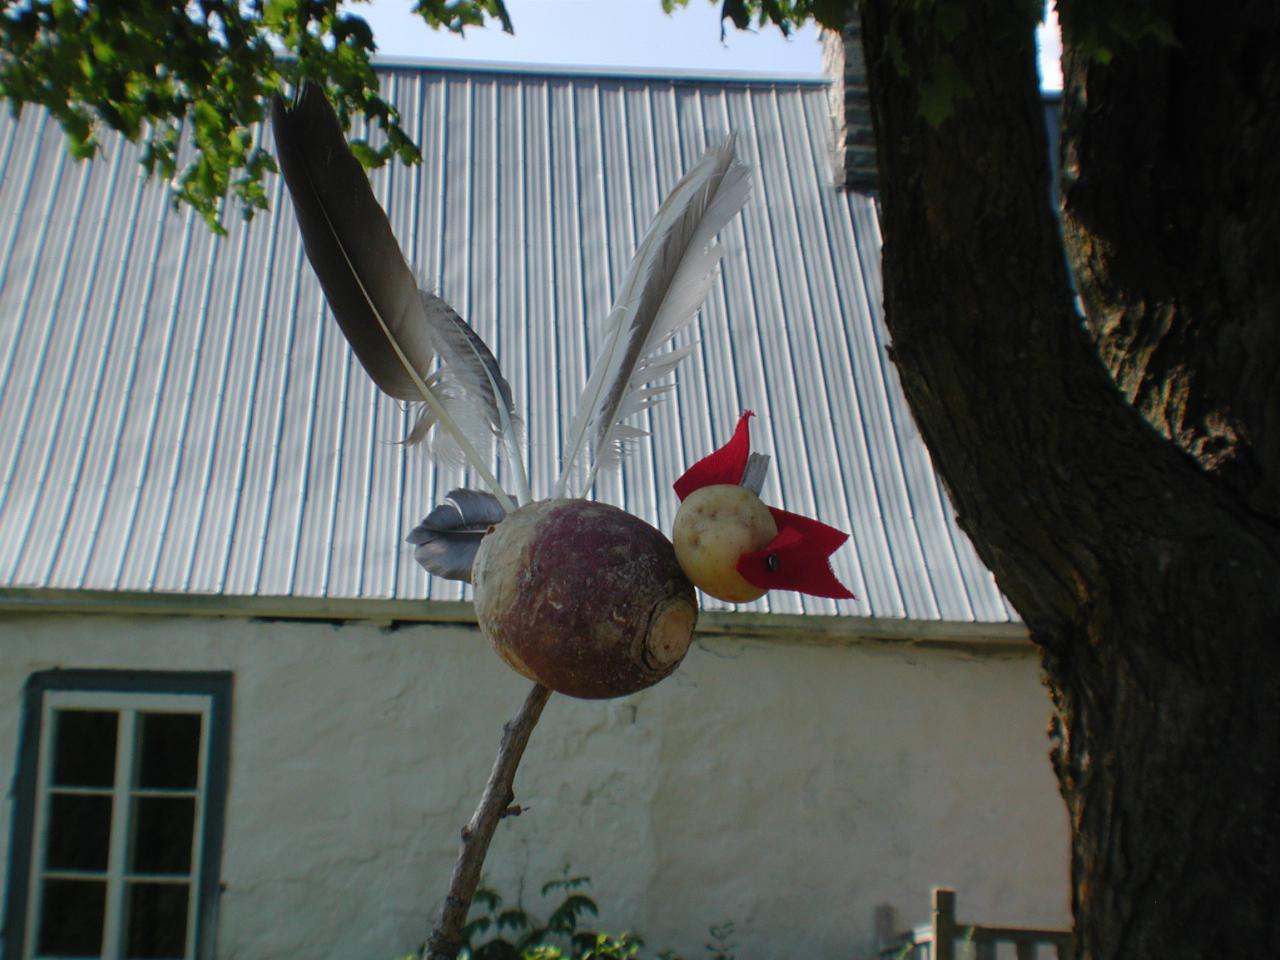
{"points": [[771, 562]]}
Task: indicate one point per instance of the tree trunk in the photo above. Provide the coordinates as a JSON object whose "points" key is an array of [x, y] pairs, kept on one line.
{"points": [[1131, 518]]}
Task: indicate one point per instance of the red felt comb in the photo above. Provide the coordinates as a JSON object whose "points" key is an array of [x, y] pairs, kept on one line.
{"points": [[726, 465]]}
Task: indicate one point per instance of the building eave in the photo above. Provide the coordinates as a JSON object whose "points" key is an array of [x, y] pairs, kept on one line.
{"points": [[746, 625]]}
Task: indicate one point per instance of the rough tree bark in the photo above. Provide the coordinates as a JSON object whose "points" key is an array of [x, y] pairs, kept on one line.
{"points": [[1121, 477]]}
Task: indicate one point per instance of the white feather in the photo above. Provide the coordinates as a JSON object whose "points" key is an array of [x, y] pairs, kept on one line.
{"points": [[665, 285], [444, 445], [470, 371]]}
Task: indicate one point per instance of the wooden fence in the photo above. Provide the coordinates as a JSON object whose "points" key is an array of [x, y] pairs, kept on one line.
{"points": [[947, 938]]}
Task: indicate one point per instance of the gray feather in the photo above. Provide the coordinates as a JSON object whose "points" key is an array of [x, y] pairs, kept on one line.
{"points": [[349, 242], [469, 363], [756, 470], [395, 328], [446, 541]]}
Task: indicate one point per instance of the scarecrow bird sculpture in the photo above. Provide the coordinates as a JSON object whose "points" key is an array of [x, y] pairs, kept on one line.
{"points": [[733, 546], [580, 597], [561, 602]]}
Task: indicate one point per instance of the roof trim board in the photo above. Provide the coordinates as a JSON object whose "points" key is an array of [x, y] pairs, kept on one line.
{"points": [[792, 628]]}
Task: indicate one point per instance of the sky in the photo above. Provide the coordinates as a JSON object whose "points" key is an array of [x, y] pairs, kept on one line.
{"points": [[628, 34]]}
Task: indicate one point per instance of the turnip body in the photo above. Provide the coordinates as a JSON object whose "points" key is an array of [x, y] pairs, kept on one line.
{"points": [[715, 526], [583, 598]]}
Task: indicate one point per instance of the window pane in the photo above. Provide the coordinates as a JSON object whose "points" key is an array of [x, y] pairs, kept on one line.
{"points": [[170, 747], [162, 828], [157, 925], [71, 917], [84, 752], [79, 833]]}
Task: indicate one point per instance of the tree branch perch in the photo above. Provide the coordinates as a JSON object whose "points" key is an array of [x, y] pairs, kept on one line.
{"points": [[495, 803]]}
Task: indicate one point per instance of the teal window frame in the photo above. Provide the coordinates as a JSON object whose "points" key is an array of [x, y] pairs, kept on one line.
{"points": [[217, 687]]}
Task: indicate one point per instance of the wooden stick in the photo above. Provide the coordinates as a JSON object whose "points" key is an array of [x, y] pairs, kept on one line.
{"points": [[495, 803]]}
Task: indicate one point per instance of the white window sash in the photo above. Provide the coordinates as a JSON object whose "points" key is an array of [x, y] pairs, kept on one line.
{"points": [[128, 706]]}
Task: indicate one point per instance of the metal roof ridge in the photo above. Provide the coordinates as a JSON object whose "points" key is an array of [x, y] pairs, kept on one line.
{"points": [[675, 74]]}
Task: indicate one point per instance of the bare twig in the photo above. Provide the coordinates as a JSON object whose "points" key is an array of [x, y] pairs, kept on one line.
{"points": [[495, 803]]}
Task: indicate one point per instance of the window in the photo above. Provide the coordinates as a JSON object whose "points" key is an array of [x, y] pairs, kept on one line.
{"points": [[118, 812]]}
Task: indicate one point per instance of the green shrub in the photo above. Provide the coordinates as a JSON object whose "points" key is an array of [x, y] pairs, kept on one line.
{"points": [[495, 932]]}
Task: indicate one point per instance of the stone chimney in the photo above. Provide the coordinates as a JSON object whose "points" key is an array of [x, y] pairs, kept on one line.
{"points": [[855, 145]]}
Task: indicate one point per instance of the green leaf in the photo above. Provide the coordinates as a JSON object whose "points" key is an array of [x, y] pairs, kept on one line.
{"points": [[950, 19], [513, 918], [477, 926], [565, 917], [1103, 29], [369, 158], [565, 883], [940, 90], [897, 52], [354, 30]]}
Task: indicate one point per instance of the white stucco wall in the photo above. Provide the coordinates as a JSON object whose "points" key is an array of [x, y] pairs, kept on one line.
{"points": [[787, 788]]}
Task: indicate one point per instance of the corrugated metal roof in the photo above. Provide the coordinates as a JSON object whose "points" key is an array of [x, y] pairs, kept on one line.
{"points": [[180, 414]]}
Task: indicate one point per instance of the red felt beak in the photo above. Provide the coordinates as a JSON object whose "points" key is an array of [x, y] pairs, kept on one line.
{"points": [[798, 558]]}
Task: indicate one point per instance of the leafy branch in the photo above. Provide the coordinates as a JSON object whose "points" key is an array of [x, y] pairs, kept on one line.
{"points": [[151, 70], [786, 15], [164, 73]]}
